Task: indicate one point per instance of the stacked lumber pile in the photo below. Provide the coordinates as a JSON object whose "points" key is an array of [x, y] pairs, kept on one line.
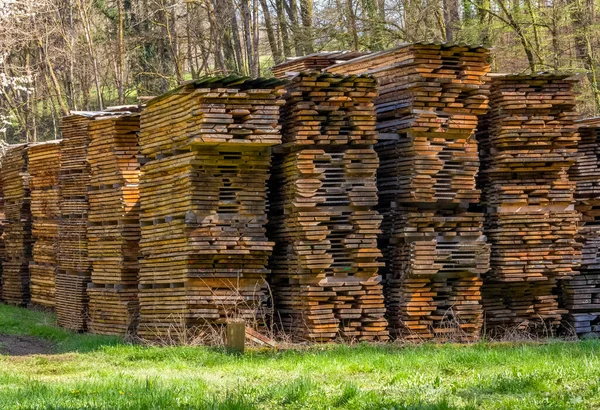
{"points": [[113, 231], [17, 231], [528, 142], [312, 62], [2, 223], [44, 164], [322, 216], [430, 97], [581, 295], [73, 266], [203, 204]]}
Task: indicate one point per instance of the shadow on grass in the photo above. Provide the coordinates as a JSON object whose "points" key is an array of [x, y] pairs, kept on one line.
{"points": [[17, 321]]}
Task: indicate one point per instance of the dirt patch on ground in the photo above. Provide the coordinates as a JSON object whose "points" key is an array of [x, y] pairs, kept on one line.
{"points": [[24, 345]]}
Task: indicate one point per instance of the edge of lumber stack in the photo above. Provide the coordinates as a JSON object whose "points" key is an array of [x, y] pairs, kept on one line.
{"points": [[528, 142], [430, 97], [113, 231], [73, 265], [322, 213], [17, 231], [581, 295], [203, 205], [44, 164]]}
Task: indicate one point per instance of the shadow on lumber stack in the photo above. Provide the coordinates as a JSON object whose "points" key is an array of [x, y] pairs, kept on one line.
{"points": [[17, 230], [113, 231], [528, 141], [203, 206], [581, 295], [430, 97], [44, 164], [322, 212]]}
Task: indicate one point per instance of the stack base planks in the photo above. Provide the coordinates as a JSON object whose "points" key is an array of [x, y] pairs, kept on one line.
{"points": [[322, 212], [44, 164], [203, 205], [581, 295], [17, 231], [113, 231], [430, 97], [528, 141]]}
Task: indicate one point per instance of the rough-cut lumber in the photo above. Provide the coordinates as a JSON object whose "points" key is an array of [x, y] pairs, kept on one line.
{"points": [[528, 141], [113, 231], [17, 232], [581, 295], [430, 97], [312, 62], [73, 264], [433, 284], [326, 109], [322, 197], [44, 164], [203, 204]]}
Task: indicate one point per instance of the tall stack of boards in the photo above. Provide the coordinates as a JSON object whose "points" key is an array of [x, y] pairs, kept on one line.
{"points": [[17, 232], [430, 97], [203, 204], [322, 216], [113, 230], [528, 141], [581, 295], [44, 165]]}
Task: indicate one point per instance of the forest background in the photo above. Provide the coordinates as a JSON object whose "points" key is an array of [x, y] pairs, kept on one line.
{"points": [[61, 55]]}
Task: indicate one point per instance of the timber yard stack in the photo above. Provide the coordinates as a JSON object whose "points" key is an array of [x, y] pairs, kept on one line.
{"points": [[203, 204], [73, 270], [528, 142], [581, 295], [44, 163], [113, 231], [17, 231], [2, 224], [430, 97], [322, 211], [312, 62]]}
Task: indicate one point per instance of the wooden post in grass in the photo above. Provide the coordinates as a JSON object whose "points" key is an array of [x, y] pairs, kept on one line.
{"points": [[235, 336]]}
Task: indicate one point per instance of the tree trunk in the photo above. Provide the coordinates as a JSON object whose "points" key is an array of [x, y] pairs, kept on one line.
{"points": [[90, 44], [121, 52], [581, 15], [283, 28], [292, 9], [306, 12], [451, 18], [277, 57], [247, 18], [352, 24]]}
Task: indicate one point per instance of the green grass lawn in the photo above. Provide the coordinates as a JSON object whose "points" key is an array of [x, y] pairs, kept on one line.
{"points": [[94, 372]]}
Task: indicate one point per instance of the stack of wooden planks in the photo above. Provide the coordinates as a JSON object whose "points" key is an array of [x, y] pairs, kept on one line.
{"points": [[430, 97], [17, 231], [203, 204], [581, 295], [2, 221], [44, 164], [312, 62], [113, 231], [73, 265], [322, 216], [528, 142]]}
